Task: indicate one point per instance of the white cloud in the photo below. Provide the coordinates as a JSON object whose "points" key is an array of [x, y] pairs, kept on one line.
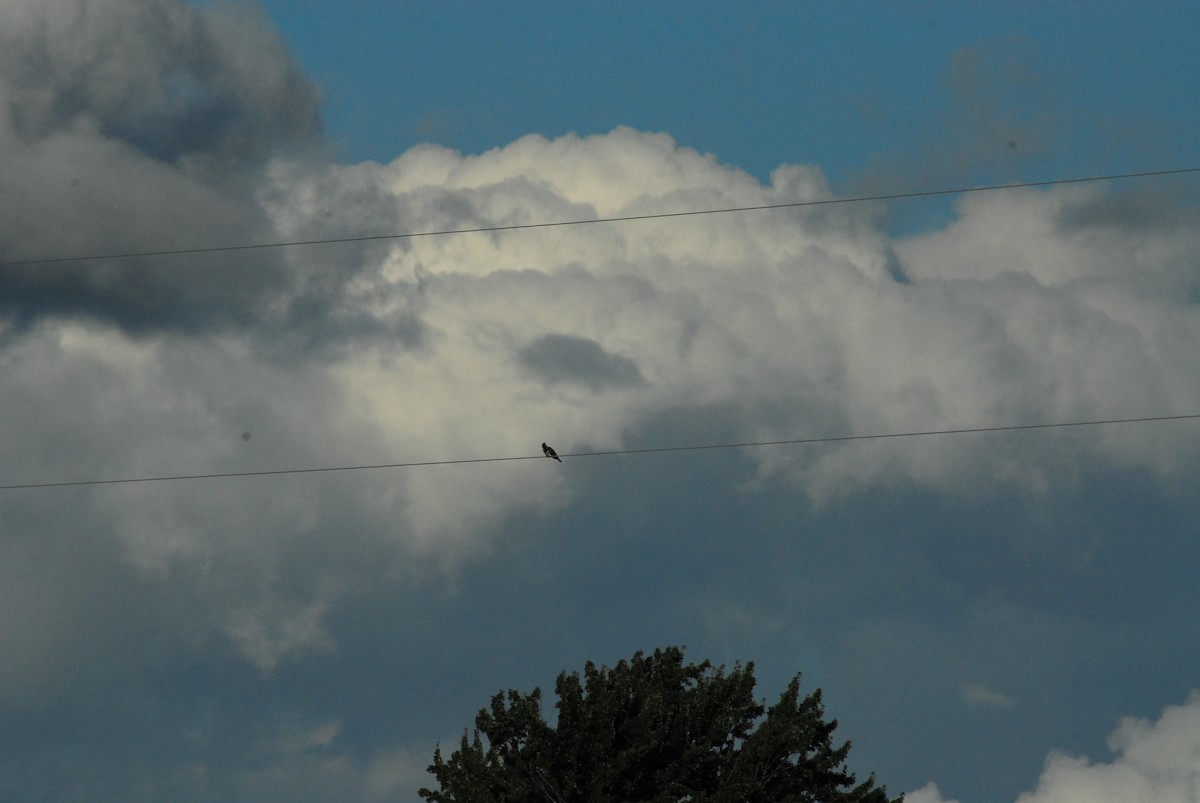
{"points": [[1034, 306], [265, 635], [788, 320], [1156, 762], [929, 793], [760, 326], [979, 696]]}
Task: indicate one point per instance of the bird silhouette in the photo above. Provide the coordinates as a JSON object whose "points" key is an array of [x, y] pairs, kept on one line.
{"points": [[549, 452]]}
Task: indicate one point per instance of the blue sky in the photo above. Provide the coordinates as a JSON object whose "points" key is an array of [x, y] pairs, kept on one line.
{"points": [[988, 615], [1084, 86]]}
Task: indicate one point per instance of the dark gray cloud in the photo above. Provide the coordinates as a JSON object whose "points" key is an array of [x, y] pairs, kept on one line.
{"points": [[1002, 115], [169, 80], [1003, 110], [128, 127], [567, 358], [1165, 207]]}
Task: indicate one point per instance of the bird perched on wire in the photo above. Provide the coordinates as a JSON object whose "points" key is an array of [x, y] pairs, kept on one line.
{"points": [[549, 452]]}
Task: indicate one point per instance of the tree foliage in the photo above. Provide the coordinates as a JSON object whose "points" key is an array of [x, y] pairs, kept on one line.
{"points": [[652, 729]]}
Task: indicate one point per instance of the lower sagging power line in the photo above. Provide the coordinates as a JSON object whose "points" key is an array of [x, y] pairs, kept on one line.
{"points": [[611, 453]]}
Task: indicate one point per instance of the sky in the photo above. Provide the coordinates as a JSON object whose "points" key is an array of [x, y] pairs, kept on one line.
{"points": [[997, 617]]}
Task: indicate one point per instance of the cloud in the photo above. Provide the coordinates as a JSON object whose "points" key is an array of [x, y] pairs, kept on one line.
{"points": [[392, 772], [1155, 761], [977, 696], [1001, 104], [564, 358], [1031, 306], [761, 326], [129, 126], [167, 79], [1000, 110], [929, 793]]}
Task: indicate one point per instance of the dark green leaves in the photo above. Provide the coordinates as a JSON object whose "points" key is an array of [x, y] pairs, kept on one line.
{"points": [[652, 729]]}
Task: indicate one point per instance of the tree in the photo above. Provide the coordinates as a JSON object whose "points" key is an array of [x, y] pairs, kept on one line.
{"points": [[652, 729]]}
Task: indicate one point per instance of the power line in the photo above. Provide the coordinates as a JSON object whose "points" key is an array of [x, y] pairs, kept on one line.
{"points": [[590, 221], [650, 450]]}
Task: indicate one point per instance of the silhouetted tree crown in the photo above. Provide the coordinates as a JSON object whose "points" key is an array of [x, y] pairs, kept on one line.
{"points": [[652, 729]]}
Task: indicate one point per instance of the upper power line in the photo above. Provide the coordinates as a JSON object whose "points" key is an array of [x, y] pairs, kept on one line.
{"points": [[642, 451], [590, 221]]}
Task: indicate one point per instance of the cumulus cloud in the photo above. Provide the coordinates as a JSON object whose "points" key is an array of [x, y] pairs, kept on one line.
{"points": [[1092, 315], [138, 125], [762, 326], [1032, 306], [1155, 760], [791, 323]]}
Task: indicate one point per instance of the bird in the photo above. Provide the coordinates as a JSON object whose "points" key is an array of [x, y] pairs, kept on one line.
{"points": [[549, 452]]}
